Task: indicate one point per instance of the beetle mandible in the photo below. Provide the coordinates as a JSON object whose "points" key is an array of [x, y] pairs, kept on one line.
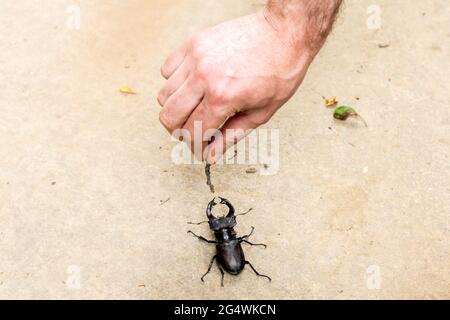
{"points": [[229, 254]]}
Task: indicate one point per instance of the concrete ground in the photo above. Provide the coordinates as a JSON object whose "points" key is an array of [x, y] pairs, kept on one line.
{"points": [[91, 205]]}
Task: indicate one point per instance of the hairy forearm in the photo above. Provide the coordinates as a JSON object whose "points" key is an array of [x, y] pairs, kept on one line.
{"points": [[306, 22]]}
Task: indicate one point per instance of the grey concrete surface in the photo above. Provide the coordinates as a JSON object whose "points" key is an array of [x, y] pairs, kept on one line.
{"points": [[84, 169]]}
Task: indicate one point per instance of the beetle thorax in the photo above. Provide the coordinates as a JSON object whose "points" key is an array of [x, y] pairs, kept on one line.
{"points": [[225, 234]]}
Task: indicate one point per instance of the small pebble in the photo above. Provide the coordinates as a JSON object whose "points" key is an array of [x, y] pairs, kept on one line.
{"points": [[251, 170]]}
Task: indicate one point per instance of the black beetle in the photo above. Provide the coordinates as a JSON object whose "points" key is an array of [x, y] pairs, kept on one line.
{"points": [[230, 256]]}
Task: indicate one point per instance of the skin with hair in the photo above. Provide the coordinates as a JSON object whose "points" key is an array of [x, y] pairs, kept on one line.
{"points": [[233, 77]]}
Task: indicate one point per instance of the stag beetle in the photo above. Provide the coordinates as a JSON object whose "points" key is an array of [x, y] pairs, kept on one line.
{"points": [[229, 254]]}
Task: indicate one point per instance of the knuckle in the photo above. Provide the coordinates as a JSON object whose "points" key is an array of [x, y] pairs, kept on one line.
{"points": [[163, 71], [161, 98], [262, 118], [203, 68], [195, 47], [166, 121], [217, 94]]}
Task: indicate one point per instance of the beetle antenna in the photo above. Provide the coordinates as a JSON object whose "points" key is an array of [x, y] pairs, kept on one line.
{"points": [[244, 213]]}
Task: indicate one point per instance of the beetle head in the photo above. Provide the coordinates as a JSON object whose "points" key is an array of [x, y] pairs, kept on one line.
{"points": [[228, 221]]}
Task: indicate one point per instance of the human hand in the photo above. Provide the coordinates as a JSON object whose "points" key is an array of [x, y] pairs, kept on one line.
{"points": [[231, 79]]}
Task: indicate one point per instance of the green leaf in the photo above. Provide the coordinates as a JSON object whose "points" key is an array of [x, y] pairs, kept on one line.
{"points": [[344, 112]]}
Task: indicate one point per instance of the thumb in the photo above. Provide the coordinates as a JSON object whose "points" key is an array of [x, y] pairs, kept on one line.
{"points": [[234, 130]]}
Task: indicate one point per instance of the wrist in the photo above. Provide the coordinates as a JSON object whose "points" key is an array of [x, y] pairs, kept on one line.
{"points": [[304, 23]]}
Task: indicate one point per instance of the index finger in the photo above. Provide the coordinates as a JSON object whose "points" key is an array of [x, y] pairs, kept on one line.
{"points": [[174, 60]]}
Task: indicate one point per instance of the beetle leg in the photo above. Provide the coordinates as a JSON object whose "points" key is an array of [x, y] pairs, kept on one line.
{"points": [[209, 268], [202, 238], [255, 244], [222, 273], [198, 223], [247, 236], [256, 272]]}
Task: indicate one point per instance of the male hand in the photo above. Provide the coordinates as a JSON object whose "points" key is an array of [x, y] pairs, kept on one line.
{"points": [[232, 78]]}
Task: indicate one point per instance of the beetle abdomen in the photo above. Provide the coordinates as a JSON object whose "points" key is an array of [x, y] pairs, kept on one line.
{"points": [[231, 257]]}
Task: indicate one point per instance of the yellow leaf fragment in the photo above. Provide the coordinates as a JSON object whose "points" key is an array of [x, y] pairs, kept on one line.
{"points": [[127, 90], [330, 102]]}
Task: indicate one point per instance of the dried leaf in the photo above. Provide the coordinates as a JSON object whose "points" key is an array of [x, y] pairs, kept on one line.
{"points": [[330, 102], [127, 90]]}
